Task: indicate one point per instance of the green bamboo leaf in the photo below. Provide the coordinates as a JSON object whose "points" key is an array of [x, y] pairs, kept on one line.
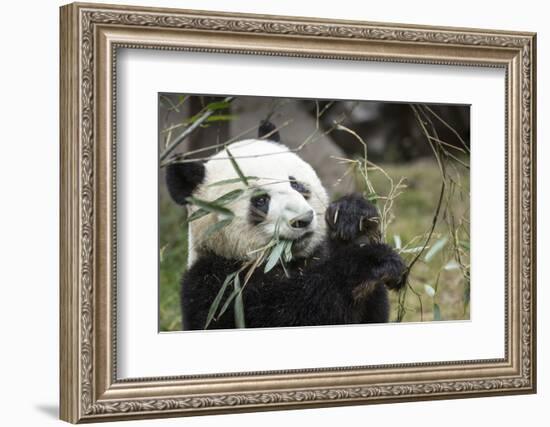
{"points": [[232, 181], [465, 245], [220, 201], [277, 228], [199, 213], [239, 306], [274, 256], [210, 207], [219, 105], [436, 247], [288, 251], [217, 299], [191, 119], [229, 197], [220, 118], [236, 289], [236, 167], [437, 313]]}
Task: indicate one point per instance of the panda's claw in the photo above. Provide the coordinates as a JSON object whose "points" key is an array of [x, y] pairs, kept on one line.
{"points": [[352, 217]]}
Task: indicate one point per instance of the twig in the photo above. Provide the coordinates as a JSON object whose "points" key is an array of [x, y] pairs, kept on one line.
{"points": [[448, 126], [183, 157], [188, 131]]}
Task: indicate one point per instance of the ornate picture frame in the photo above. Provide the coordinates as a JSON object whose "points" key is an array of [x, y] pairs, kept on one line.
{"points": [[90, 37]]}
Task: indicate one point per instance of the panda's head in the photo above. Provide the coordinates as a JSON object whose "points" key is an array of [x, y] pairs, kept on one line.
{"points": [[284, 196]]}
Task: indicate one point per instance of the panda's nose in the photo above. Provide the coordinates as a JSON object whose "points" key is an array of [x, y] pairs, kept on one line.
{"points": [[302, 221]]}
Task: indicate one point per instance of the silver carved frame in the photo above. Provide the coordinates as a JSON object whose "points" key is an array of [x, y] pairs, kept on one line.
{"points": [[90, 36]]}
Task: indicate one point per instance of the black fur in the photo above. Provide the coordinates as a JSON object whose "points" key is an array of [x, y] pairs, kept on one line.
{"points": [[352, 219], [299, 187], [182, 179], [344, 282], [268, 128]]}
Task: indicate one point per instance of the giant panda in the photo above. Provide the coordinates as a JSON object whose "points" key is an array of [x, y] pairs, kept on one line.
{"points": [[339, 272]]}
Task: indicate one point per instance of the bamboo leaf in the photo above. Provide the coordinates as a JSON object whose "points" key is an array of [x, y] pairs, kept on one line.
{"points": [[232, 181], [238, 306], [220, 118], [288, 251], [437, 313], [209, 207], [236, 280], [219, 105], [226, 303], [229, 197], [220, 201], [436, 247], [236, 167], [277, 229], [217, 299], [274, 256], [191, 119]]}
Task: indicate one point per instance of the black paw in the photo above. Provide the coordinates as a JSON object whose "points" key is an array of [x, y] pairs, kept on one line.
{"points": [[353, 219], [364, 267], [380, 265], [388, 267]]}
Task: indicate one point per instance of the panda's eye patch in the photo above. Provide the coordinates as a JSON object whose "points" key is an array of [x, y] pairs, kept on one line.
{"points": [[260, 201], [259, 206], [299, 187]]}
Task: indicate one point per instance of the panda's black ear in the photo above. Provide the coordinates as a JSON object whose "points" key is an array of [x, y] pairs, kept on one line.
{"points": [[182, 179], [269, 129]]}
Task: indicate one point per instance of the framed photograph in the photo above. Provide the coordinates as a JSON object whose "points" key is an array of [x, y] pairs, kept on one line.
{"points": [[267, 212]]}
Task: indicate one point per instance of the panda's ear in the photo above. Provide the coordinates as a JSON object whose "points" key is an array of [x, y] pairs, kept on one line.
{"points": [[182, 179], [269, 131]]}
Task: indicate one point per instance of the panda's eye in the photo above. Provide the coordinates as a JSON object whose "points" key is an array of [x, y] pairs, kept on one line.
{"points": [[260, 201], [299, 187], [259, 206]]}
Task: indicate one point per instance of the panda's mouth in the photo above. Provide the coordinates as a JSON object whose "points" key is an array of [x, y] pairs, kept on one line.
{"points": [[301, 242]]}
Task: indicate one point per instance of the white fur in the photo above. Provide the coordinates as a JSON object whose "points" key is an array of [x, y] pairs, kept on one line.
{"points": [[272, 163]]}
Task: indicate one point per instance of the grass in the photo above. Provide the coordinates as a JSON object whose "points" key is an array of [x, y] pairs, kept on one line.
{"points": [[412, 215]]}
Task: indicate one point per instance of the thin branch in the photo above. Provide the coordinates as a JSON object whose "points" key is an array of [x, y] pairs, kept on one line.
{"points": [[188, 131], [448, 126]]}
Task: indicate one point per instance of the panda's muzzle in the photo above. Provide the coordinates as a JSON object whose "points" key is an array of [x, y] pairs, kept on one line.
{"points": [[302, 221]]}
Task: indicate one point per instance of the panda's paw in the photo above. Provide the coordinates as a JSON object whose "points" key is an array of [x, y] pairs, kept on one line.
{"points": [[353, 219], [378, 263], [385, 266]]}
